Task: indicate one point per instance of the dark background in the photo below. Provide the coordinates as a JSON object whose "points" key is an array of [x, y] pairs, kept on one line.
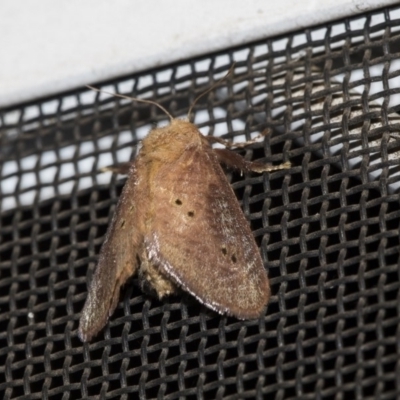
{"points": [[328, 228]]}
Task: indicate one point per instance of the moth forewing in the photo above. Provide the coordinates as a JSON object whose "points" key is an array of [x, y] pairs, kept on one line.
{"points": [[198, 235], [117, 262]]}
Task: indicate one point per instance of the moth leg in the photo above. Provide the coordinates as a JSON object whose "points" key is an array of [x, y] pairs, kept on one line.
{"points": [[213, 139], [120, 168], [235, 161], [152, 280], [231, 145]]}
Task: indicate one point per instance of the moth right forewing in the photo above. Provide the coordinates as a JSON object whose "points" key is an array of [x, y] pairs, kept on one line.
{"points": [[117, 262], [200, 238]]}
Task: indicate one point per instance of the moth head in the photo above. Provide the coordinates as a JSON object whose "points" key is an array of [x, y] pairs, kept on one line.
{"points": [[172, 140]]}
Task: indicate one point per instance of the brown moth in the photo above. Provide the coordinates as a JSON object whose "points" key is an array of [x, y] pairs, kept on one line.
{"points": [[179, 224]]}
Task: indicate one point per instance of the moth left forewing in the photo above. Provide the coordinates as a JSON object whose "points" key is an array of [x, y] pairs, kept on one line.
{"points": [[117, 262], [201, 239]]}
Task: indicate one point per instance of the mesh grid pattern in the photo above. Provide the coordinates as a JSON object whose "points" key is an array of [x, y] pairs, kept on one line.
{"points": [[328, 228]]}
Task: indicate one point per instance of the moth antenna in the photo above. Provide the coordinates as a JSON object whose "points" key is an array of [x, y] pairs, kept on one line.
{"points": [[209, 90], [133, 99]]}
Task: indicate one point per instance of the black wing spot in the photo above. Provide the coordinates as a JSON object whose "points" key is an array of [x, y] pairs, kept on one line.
{"points": [[224, 251], [191, 214], [233, 258], [178, 202]]}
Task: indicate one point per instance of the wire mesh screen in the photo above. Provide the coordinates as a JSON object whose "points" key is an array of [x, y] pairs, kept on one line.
{"points": [[328, 228]]}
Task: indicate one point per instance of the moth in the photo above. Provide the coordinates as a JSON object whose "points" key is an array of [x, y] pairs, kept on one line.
{"points": [[177, 225]]}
